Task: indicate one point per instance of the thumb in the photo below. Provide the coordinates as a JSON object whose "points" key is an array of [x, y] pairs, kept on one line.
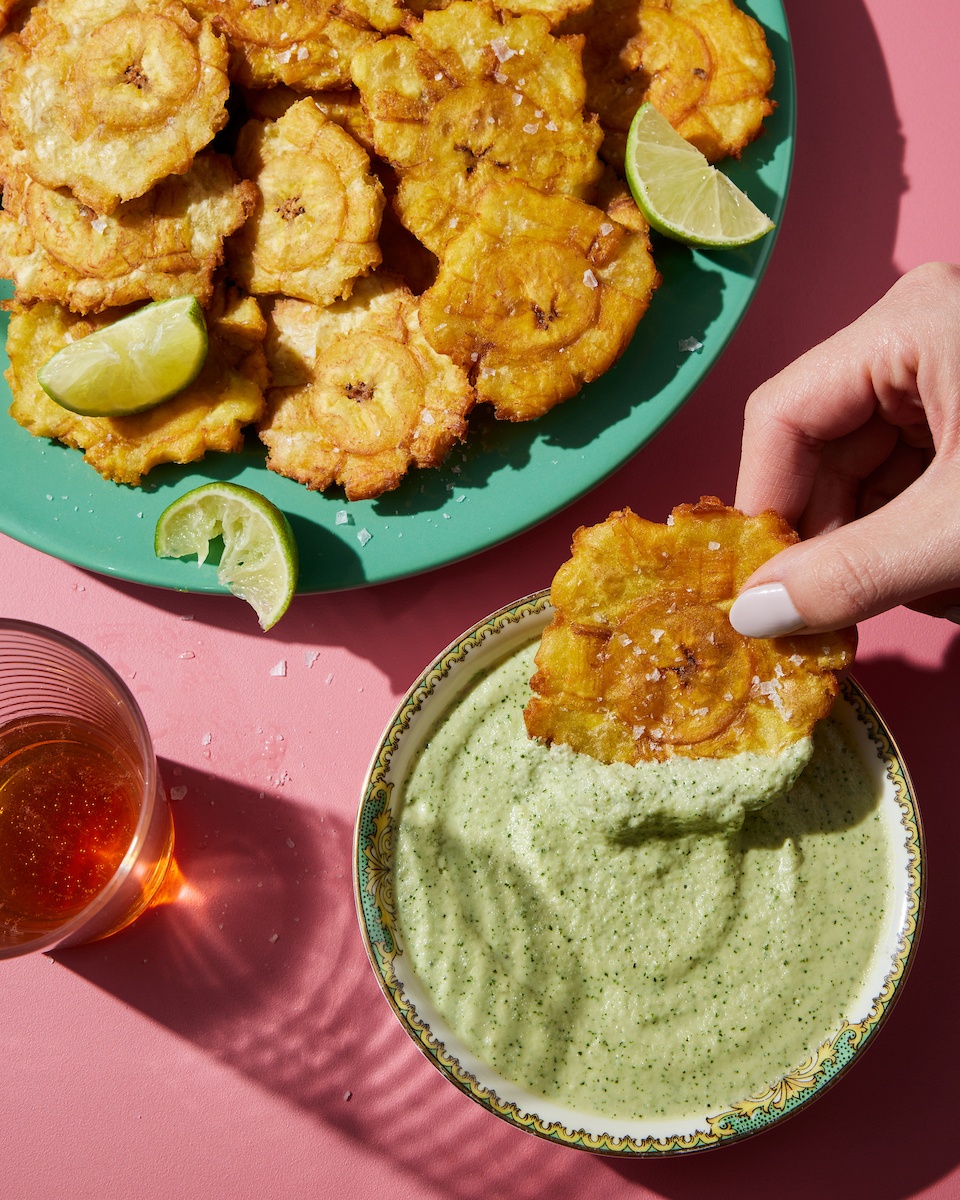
{"points": [[901, 553]]}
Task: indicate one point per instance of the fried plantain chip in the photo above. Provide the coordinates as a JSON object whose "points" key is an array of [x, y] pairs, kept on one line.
{"points": [[554, 10], [641, 663], [704, 64], [539, 295], [314, 229], [107, 97], [344, 108], [306, 44], [163, 244], [472, 97], [360, 396], [207, 415]]}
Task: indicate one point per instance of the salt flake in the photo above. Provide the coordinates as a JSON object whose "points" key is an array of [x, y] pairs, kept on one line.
{"points": [[280, 668]]}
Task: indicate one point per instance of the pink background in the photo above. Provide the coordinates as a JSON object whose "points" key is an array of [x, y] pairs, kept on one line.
{"points": [[236, 1045]]}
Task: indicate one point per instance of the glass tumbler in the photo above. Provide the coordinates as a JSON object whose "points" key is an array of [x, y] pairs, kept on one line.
{"points": [[86, 835]]}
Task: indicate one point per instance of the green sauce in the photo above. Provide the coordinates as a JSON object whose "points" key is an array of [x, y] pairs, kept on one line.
{"points": [[636, 942]]}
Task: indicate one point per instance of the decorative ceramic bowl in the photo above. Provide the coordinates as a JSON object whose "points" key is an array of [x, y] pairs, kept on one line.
{"points": [[439, 686]]}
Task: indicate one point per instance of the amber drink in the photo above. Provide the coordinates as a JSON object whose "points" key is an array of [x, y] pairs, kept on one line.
{"points": [[85, 830]]}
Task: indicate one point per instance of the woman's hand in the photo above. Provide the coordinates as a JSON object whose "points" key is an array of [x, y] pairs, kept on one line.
{"points": [[857, 444]]}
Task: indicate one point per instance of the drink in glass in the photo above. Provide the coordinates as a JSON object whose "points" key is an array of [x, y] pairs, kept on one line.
{"points": [[85, 831]]}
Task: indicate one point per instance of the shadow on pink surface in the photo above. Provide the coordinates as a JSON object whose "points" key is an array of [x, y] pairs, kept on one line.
{"points": [[260, 964]]}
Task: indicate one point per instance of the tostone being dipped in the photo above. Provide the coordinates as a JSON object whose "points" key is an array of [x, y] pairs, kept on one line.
{"points": [[640, 662]]}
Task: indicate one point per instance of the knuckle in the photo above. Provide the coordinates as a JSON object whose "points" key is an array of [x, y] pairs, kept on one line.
{"points": [[848, 582]]}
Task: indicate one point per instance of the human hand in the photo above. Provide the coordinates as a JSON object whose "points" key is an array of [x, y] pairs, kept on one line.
{"points": [[857, 444]]}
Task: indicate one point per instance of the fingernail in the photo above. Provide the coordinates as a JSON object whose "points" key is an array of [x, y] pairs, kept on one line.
{"points": [[765, 611]]}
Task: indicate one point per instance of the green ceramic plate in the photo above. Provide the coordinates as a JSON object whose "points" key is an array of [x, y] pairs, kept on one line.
{"points": [[506, 479]]}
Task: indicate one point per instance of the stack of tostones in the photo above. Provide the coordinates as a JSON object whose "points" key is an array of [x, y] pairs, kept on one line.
{"points": [[640, 662], [359, 396], [704, 64], [408, 194]]}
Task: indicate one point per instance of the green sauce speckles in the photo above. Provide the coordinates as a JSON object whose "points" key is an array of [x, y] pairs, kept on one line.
{"points": [[638, 942]]}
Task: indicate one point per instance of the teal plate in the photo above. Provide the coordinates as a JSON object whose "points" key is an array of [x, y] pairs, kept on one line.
{"points": [[504, 480]]}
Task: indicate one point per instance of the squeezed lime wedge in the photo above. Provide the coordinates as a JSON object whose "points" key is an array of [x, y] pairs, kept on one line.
{"points": [[259, 561], [133, 364], [681, 194]]}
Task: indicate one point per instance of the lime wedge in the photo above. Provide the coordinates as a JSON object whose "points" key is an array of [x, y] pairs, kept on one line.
{"points": [[259, 561], [133, 364], [680, 193]]}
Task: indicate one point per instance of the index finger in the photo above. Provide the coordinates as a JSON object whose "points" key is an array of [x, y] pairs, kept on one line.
{"points": [[898, 359], [824, 395]]}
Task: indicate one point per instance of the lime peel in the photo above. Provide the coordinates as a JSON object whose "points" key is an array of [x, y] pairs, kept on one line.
{"points": [[132, 364], [259, 562], [681, 194]]}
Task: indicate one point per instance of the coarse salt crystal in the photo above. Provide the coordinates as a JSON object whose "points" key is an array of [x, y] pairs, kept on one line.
{"points": [[98, 224], [310, 657], [689, 344], [530, 128], [517, 98], [657, 634], [364, 536], [552, 126], [502, 49], [280, 668], [606, 228], [713, 545], [590, 279], [427, 418], [343, 517], [178, 792]]}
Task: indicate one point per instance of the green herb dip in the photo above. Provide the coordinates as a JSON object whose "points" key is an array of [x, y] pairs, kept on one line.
{"points": [[636, 942]]}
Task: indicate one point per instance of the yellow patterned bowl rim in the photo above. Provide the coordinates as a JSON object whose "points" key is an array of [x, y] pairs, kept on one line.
{"points": [[429, 697]]}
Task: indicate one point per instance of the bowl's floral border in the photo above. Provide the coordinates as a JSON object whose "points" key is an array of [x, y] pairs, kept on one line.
{"points": [[377, 912]]}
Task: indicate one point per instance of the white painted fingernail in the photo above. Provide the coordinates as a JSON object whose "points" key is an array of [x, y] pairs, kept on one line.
{"points": [[765, 611]]}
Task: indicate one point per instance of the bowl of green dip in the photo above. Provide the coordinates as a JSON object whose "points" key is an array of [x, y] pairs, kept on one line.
{"points": [[634, 961]]}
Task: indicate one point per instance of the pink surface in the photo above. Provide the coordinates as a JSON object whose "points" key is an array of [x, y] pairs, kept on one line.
{"points": [[236, 1045]]}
